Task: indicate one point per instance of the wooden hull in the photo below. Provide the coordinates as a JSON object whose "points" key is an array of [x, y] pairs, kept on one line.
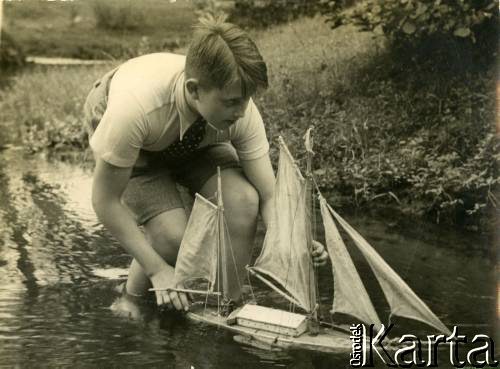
{"points": [[328, 340]]}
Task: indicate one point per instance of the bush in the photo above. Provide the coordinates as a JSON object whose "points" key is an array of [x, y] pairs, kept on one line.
{"points": [[261, 13], [117, 16], [405, 21]]}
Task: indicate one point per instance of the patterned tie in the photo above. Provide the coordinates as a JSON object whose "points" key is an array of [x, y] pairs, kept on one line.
{"points": [[189, 143]]}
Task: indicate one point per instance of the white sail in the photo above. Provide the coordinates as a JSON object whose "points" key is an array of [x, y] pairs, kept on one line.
{"points": [[402, 300], [350, 296], [285, 256], [197, 258]]}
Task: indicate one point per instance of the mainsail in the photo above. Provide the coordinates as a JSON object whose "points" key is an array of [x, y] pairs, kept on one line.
{"points": [[350, 296], [284, 256], [197, 256], [402, 300]]}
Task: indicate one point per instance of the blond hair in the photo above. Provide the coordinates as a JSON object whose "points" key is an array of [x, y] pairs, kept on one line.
{"points": [[221, 53]]}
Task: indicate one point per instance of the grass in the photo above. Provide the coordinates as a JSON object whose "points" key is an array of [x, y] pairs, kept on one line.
{"points": [[309, 65], [42, 107], [96, 29], [402, 136], [413, 140]]}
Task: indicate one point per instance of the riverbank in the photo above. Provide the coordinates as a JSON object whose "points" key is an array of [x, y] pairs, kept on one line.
{"points": [[416, 141], [95, 29]]}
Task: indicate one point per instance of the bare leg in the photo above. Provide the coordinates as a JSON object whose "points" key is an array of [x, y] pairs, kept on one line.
{"points": [[241, 207], [164, 232]]}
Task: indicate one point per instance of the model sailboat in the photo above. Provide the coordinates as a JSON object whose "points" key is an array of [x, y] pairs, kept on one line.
{"points": [[285, 265]]}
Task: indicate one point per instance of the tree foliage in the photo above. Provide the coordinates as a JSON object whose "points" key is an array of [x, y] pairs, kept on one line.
{"points": [[407, 20]]}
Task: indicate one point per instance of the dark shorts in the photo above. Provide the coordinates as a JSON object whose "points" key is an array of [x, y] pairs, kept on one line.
{"points": [[154, 190]]}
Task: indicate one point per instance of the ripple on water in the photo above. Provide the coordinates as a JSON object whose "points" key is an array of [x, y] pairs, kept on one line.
{"points": [[59, 270], [111, 273]]}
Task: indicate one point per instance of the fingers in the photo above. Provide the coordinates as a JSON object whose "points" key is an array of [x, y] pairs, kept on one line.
{"points": [[179, 300], [317, 248], [172, 300], [184, 301], [319, 254], [175, 300], [321, 259], [161, 298]]}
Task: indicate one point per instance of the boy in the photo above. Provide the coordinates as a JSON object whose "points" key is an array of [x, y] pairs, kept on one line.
{"points": [[163, 119]]}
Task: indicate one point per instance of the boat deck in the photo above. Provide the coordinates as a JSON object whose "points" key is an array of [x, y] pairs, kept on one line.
{"points": [[328, 340]]}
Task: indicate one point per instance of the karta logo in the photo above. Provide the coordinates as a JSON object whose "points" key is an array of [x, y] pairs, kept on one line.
{"points": [[410, 351]]}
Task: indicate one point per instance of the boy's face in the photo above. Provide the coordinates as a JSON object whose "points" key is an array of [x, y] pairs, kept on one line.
{"points": [[222, 107]]}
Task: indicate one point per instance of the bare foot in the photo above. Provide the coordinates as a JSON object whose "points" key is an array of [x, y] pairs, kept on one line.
{"points": [[126, 305]]}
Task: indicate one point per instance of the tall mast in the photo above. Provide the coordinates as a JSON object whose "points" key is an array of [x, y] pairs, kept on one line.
{"points": [[310, 217], [222, 259]]}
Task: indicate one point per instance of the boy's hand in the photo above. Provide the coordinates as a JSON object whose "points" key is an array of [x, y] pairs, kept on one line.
{"points": [[167, 298], [319, 254]]}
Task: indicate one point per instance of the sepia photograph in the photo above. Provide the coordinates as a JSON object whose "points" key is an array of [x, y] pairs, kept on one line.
{"points": [[302, 184]]}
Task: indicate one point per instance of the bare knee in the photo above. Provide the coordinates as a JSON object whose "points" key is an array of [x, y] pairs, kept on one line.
{"points": [[242, 202], [241, 199], [165, 235], [165, 241]]}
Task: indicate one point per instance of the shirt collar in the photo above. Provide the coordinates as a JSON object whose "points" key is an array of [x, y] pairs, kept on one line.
{"points": [[186, 115]]}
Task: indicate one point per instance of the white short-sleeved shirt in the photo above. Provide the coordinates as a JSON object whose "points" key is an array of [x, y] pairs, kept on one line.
{"points": [[147, 110]]}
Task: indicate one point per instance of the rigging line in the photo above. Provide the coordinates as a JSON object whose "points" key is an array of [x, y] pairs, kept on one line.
{"points": [[229, 243], [320, 195], [248, 273], [310, 208], [289, 263], [206, 300], [252, 249], [210, 286], [316, 185], [218, 275], [293, 162], [315, 233], [291, 232], [294, 166], [412, 258], [251, 287]]}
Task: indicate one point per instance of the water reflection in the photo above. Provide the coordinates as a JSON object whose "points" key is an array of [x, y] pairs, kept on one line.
{"points": [[59, 270]]}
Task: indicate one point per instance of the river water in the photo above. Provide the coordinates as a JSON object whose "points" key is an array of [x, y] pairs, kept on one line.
{"points": [[59, 270]]}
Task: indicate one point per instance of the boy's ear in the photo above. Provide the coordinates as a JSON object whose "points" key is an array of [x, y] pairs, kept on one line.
{"points": [[192, 87]]}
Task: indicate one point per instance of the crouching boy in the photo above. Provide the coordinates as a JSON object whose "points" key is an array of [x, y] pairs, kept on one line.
{"points": [[162, 119]]}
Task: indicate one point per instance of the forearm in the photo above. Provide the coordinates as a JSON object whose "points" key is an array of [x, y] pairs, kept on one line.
{"points": [[260, 173], [266, 211], [118, 220]]}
